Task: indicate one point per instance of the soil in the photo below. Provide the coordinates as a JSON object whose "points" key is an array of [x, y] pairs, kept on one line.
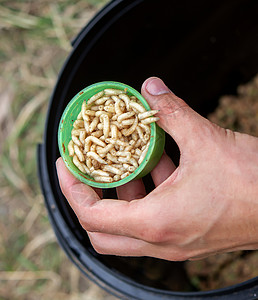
{"points": [[239, 113]]}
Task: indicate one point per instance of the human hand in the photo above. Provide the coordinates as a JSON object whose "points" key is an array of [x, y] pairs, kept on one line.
{"points": [[207, 205]]}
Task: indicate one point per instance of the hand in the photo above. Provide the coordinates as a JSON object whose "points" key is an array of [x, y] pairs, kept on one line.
{"points": [[209, 204]]}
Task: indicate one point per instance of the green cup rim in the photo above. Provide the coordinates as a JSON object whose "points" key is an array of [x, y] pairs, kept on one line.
{"points": [[80, 97]]}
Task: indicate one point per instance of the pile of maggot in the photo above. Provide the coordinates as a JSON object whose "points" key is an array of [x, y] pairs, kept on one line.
{"points": [[111, 135]]}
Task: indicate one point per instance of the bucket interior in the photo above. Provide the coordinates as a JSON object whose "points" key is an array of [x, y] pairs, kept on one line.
{"points": [[201, 49]]}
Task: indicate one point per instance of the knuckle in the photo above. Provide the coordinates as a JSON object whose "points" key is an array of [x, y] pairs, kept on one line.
{"points": [[97, 243], [171, 104], [155, 235], [99, 249]]}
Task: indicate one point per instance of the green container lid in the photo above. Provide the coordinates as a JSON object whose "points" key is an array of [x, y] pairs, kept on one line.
{"points": [[157, 138]]}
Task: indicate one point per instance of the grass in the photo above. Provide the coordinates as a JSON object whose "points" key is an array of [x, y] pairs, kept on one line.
{"points": [[35, 41]]}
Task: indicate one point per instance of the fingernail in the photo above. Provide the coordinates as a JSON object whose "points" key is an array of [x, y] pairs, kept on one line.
{"points": [[157, 87]]}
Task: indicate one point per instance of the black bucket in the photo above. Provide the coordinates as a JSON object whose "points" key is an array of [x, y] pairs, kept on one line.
{"points": [[202, 50]]}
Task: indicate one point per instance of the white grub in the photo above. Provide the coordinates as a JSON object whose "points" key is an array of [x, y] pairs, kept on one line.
{"points": [[97, 108], [100, 126], [82, 136], [124, 116], [95, 97], [118, 102], [135, 136], [111, 135], [92, 140], [76, 132], [102, 100], [93, 147], [126, 100], [118, 125], [79, 117], [137, 106], [125, 175], [110, 108], [138, 143], [112, 158], [146, 138], [87, 126], [127, 122], [76, 140], [88, 162], [93, 124], [116, 177], [140, 132], [113, 92], [95, 156], [133, 162], [147, 114], [129, 167], [99, 173], [95, 140], [86, 118], [112, 169], [106, 149], [144, 152], [125, 154], [146, 128], [97, 133], [102, 138], [110, 101], [78, 124], [130, 130], [100, 113], [150, 120], [81, 166], [89, 112], [71, 148], [123, 159], [106, 125], [106, 179], [113, 131], [138, 152], [116, 142], [79, 153]]}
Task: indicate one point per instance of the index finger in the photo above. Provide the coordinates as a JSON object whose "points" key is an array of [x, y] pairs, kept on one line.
{"points": [[118, 217]]}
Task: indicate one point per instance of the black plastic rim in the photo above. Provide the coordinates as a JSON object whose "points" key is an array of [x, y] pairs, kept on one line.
{"points": [[112, 281]]}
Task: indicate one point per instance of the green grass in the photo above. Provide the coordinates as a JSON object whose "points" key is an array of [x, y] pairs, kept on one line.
{"points": [[35, 41]]}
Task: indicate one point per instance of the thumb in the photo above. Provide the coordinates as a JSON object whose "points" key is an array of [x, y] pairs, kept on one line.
{"points": [[176, 117]]}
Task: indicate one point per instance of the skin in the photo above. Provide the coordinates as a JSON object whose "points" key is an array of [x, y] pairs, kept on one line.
{"points": [[207, 205]]}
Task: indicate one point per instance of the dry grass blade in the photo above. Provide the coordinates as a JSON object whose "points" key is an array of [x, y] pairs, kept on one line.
{"points": [[32, 215], [59, 28], [12, 18], [38, 242], [27, 112], [17, 181], [32, 275]]}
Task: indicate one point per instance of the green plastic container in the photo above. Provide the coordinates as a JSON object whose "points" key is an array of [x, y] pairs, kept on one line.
{"points": [[157, 139]]}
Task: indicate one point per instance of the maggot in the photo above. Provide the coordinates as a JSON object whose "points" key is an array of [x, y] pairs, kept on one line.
{"points": [[150, 120], [147, 114], [113, 92], [137, 106], [95, 97], [95, 156]]}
